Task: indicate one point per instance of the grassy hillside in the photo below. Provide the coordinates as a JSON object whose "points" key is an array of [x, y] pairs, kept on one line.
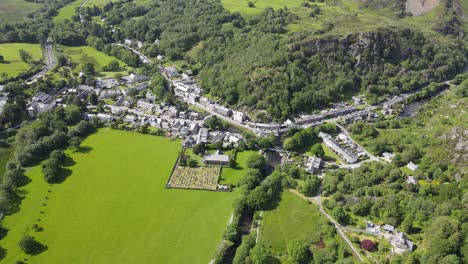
{"points": [[67, 11], [85, 54], [114, 208], [16, 10], [13, 65]]}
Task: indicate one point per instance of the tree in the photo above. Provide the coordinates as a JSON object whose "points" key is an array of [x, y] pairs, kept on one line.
{"points": [[311, 186], [112, 66], [25, 55], [30, 246], [192, 163], [317, 150], [260, 254], [298, 252], [74, 142], [251, 4], [340, 215], [199, 148], [93, 99], [2, 59], [256, 161], [72, 114], [88, 69], [58, 155], [443, 236], [243, 251], [368, 245]]}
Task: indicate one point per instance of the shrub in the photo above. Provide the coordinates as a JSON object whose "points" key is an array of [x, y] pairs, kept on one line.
{"points": [[367, 245], [30, 246]]}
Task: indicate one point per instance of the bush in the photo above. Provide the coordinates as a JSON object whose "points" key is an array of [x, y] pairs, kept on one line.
{"points": [[367, 245], [30, 246]]}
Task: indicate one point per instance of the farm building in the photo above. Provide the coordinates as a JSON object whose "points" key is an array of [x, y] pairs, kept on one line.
{"points": [[216, 159]]}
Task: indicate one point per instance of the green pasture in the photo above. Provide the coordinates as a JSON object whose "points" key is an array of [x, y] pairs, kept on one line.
{"points": [[16, 10], [292, 219], [346, 15], [67, 11], [114, 208], [13, 65], [233, 175], [85, 54]]}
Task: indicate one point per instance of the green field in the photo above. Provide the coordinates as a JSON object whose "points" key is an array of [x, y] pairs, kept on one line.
{"points": [[233, 175], [346, 15], [292, 219], [13, 64], [85, 54], [16, 10], [67, 11], [113, 208]]}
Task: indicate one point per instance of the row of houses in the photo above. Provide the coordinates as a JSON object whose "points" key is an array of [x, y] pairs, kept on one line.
{"points": [[344, 153]]}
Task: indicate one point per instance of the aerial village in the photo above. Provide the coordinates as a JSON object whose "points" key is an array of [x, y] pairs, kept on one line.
{"points": [[187, 124]]}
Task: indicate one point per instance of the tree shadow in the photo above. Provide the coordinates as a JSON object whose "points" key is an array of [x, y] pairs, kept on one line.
{"points": [[84, 150], [274, 203], [273, 260], [5, 62], [63, 174], [37, 248], [2, 253], [15, 199], [3, 232], [68, 162]]}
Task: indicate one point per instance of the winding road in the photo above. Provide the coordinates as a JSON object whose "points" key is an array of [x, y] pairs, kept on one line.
{"points": [[50, 62]]}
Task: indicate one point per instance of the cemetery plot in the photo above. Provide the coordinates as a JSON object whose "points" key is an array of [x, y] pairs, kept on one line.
{"points": [[205, 178]]}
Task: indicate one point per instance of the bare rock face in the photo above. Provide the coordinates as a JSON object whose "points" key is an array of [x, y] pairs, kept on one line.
{"points": [[368, 49], [419, 7], [457, 139]]}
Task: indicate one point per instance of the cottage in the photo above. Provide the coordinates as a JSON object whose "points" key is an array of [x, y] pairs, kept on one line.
{"points": [[106, 83], [171, 71], [203, 135], [412, 166], [314, 165], [189, 142], [388, 156], [145, 105], [193, 129], [130, 118], [389, 228], [41, 102], [238, 116], [104, 117], [401, 243], [216, 159], [222, 110], [219, 137]]}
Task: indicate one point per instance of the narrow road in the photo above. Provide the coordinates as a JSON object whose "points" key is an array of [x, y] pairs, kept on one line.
{"points": [[81, 9], [143, 58], [50, 62], [339, 228]]}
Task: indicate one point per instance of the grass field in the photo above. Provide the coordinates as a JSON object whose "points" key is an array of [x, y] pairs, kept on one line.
{"points": [[13, 64], [67, 11], [85, 54], [346, 15], [114, 208], [233, 175], [16, 10], [292, 219]]}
